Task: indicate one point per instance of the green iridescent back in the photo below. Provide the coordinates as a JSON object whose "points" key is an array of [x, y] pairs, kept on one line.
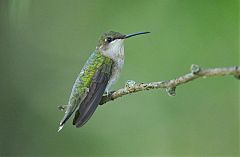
{"points": [[89, 69], [83, 81]]}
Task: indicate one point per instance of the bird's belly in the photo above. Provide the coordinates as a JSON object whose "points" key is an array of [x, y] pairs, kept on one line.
{"points": [[116, 69]]}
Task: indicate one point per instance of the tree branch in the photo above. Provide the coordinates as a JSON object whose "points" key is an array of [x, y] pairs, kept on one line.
{"points": [[170, 85]]}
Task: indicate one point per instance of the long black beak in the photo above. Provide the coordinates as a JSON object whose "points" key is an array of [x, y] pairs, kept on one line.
{"points": [[134, 34]]}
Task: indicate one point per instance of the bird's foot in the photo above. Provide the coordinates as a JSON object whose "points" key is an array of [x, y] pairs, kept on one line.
{"points": [[106, 93]]}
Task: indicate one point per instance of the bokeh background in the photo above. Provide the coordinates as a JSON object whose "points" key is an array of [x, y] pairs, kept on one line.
{"points": [[44, 44]]}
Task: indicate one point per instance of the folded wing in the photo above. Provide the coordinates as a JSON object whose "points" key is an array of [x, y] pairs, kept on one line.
{"points": [[94, 95]]}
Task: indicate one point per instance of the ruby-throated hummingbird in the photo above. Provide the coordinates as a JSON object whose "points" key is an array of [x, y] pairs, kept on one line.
{"points": [[98, 74]]}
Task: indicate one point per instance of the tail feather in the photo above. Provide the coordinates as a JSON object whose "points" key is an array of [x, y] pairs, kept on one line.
{"points": [[60, 127], [67, 115]]}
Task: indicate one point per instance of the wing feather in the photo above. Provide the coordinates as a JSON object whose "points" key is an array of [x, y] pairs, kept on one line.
{"points": [[94, 95]]}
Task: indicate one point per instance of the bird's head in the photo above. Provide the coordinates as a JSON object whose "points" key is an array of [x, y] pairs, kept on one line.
{"points": [[111, 42]]}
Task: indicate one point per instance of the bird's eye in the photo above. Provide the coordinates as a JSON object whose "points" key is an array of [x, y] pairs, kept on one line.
{"points": [[109, 39]]}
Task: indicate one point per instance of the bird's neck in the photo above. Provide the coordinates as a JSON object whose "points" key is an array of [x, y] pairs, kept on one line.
{"points": [[115, 51]]}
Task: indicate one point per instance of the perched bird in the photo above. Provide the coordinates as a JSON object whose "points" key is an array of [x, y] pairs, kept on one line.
{"points": [[98, 74]]}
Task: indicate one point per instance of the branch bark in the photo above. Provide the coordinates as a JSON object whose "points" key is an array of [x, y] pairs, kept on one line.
{"points": [[170, 85]]}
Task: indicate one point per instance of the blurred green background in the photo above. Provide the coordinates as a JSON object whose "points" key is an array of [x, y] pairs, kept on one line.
{"points": [[44, 44]]}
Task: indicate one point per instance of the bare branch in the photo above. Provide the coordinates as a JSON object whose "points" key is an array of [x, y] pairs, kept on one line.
{"points": [[170, 85]]}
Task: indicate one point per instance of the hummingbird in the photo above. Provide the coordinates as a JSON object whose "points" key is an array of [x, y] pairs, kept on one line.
{"points": [[98, 74]]}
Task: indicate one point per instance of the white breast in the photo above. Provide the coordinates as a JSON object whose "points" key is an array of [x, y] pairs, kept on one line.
{"points": [[115, 51]]}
